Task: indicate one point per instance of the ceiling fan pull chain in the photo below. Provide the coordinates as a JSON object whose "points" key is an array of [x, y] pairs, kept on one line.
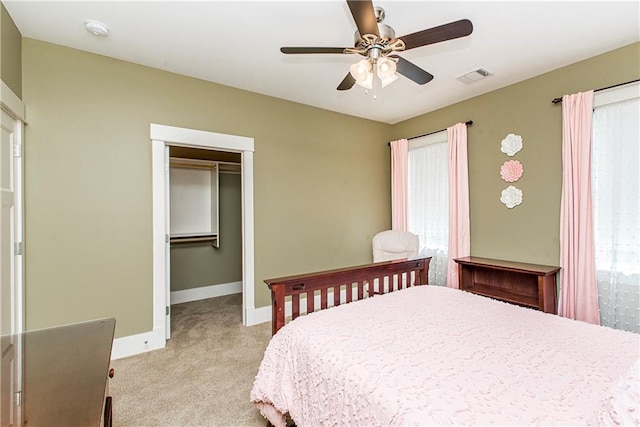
{"points": [[375, 78]]}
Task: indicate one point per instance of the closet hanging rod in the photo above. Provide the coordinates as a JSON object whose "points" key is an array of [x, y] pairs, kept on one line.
{"points": [[194, 238]]}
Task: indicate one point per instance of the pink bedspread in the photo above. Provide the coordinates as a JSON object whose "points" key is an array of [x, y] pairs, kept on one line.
{"points": [[432, 355]]}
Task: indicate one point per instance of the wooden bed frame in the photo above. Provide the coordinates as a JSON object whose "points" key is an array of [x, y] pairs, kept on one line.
{"points": [[357, 280]]}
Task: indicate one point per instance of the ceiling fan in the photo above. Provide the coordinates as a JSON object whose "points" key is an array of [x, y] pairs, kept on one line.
{"points": [[378, 43]]}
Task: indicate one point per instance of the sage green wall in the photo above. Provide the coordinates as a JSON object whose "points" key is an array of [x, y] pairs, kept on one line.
{"points": [[200, 264], [321, 182], [321, 178], [10, 52], [529, 232]]}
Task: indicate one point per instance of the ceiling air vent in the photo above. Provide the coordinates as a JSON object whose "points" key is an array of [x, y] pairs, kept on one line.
{"points": [[474, 76]]}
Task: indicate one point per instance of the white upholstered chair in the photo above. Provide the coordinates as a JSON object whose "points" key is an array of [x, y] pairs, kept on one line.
{"points": [[393, 244]]}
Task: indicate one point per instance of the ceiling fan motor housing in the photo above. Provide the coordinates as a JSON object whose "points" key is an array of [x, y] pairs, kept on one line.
{"points": [[386, 34], [376, 45]]}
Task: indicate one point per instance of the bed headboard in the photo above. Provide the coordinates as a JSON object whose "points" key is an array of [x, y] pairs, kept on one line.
{"points": [[345, 285]]}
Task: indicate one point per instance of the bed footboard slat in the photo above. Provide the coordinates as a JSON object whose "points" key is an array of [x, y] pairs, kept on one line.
{"points": [[295, 306], [378, 278], [336, 296], [403, 281], [310, 302]]}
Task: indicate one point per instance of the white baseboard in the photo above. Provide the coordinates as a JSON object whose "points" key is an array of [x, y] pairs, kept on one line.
{"points": [[259, 315], [154, 340], [136, 344], [196, 294]]}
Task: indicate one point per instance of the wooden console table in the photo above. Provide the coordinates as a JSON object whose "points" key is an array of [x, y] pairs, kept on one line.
{"points": [[62, 377], [529, 285]]}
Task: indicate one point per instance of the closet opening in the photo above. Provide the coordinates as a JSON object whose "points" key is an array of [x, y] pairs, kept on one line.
{"points": [[205, 229], [163, 138]]}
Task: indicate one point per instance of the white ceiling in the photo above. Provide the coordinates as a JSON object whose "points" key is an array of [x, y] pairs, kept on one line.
{"points": [[236, 43]]}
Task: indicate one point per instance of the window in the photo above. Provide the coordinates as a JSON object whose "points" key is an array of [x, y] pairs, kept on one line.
{"points": [[616, 206], [428, 201]]}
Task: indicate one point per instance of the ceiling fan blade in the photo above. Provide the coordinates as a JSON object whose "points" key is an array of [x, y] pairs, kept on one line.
{"points": [[411, 71], [452, 30], [347, 83], [365, 17], [296, 50]]}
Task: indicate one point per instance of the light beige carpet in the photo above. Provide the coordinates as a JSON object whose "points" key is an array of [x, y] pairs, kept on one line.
{"points": [[204, 375]]}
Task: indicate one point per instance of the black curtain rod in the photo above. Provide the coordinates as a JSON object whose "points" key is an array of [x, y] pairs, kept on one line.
{"points": [[468, 123], [559, 100]]}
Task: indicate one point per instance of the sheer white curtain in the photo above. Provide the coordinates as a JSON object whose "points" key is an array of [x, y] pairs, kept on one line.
{"points": [[428, 204], [616, 200]]}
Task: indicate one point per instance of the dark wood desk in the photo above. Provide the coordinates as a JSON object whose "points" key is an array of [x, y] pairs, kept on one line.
{"points": [[65, 374], [529, 285]]}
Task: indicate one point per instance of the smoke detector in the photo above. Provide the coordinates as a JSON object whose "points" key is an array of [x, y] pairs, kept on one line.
{"points": [[474, 76], [96, 28]]}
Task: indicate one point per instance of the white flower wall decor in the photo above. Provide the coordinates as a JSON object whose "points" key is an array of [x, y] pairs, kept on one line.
{"points": [[511, 144], [511, 196]]}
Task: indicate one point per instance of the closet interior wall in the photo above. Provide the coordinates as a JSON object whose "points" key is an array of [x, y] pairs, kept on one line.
{"points": [[201, 266]]}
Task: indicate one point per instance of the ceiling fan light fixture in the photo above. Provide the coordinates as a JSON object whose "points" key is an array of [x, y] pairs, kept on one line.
{"points": [[365, 70], [367, 83], [361, 70], [386, 68]]}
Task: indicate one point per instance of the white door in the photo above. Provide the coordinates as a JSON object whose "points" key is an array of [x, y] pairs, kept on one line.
{"points": [[167, 244], [10, 268]]}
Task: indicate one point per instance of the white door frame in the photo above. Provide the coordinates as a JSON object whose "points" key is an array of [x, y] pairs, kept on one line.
{"points": [[11, 104], [13, 117], [161, 136]]}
